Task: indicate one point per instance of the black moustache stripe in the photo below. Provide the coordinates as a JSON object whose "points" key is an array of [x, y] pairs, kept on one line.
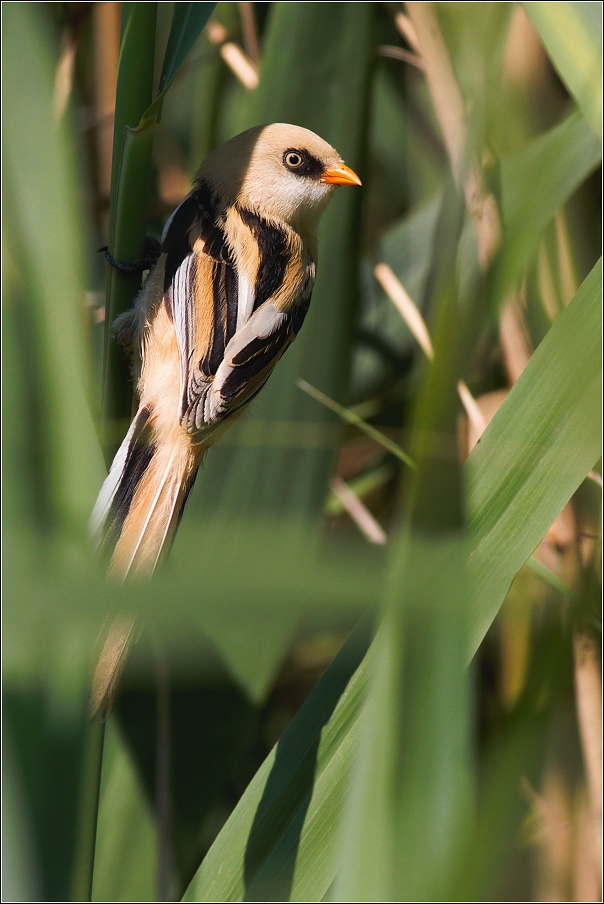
{"points": [[272, 246]]}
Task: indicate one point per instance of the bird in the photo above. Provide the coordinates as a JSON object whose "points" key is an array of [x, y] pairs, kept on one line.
{"points": [[226, 295]]}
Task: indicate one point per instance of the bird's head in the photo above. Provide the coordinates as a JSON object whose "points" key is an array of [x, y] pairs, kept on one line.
{"points": [[280, 171]]}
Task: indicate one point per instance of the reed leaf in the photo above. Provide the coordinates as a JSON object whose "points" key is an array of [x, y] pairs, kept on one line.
{"points": [[572, 34], [499, 545], [137, 115], [270, 466]]}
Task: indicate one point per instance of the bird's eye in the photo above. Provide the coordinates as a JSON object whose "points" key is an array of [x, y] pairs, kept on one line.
{"points": [[293, 160], [302, 163]]}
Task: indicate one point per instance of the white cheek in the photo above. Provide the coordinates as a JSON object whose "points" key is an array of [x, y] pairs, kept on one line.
{"points": [[307, 195], [319, 192], [283, 195]]}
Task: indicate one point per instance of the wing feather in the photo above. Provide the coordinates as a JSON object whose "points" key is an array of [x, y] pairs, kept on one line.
{"points": [[182, 293], [250, 327]]}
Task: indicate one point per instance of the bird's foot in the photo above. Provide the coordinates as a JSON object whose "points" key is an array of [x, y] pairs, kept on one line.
{"points": [[152, 250]]}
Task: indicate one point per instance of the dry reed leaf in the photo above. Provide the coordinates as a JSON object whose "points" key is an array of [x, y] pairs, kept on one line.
{"points": [[488, 405], [409, 311], [399, 53], [524, 61], [239, 64], [107, 18], [405, 28], [450, 113], [547, 289], [568, 274], [360, 514], [514, 337], [249, 31], [588, 693], [586, 862], [64, 75], [553, 838]]}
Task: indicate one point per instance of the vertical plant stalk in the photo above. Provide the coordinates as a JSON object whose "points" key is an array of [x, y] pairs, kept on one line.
{"points": [[250, 31], [450, 113], [588, 693], [412, 776], [64, 74], [127, 221], [83, 869], [409, 311], [165, 858], [136, 119], [130, 178], [585, 872], [444, 90], [106, 60]]}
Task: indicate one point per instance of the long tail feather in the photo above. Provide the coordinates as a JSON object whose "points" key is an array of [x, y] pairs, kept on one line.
{"points": [[113, 490], [133, 525], [110, 666]]}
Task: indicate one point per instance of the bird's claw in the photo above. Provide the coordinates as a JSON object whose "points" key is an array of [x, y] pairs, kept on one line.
{"points": [[152, 252]]}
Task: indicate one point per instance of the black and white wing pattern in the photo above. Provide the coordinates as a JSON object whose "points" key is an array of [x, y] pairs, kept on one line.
{"points": [[248, 332], [248, 362]]}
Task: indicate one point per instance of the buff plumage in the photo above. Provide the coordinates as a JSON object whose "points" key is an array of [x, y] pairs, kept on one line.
{"points": [[226, 297]]}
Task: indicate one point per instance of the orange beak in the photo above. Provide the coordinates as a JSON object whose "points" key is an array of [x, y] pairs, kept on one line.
{"points": [[340, 175]]}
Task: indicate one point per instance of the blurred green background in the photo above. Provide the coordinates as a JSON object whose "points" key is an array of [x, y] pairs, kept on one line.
{"points": [[257, 750]]}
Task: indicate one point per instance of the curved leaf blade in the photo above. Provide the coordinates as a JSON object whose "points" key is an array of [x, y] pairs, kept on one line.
{"points": [[572, 34], [536, 451], [269, 468], [283, 826], [536, 182], [558, 398], [44, 286], [188, 21]]}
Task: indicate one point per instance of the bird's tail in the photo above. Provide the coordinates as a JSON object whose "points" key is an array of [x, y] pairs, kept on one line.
{"points": [[133, 525], [139, 507]]}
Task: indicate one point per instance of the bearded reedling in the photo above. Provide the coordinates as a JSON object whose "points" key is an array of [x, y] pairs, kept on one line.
{"points": [[225, 298]]}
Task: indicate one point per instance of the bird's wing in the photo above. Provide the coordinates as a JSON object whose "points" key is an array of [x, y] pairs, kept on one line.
{"points": [[201, 291], [248, 361], [243, 337]]}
